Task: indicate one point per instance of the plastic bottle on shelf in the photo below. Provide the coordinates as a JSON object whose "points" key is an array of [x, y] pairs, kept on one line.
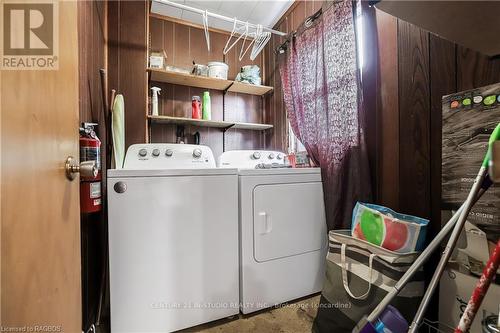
{"points": [[155, 91], [196, 107], [207, 107]]}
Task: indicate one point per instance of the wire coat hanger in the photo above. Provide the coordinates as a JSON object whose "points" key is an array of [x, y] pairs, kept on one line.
{"points": [[205, 28], [260, 43], [243, 51], [226, 48]]}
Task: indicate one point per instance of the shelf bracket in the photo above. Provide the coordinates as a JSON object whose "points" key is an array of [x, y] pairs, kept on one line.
{"points": [[179, 131], [227, 89], [226, 128]]}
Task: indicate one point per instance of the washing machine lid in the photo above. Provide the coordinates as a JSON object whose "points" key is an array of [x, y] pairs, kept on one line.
{"points": [[124, 173], [279, 171]]}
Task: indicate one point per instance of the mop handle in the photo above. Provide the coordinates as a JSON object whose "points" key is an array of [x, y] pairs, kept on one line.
{"points": [[480, 291], [469, 202], [422, 258]]}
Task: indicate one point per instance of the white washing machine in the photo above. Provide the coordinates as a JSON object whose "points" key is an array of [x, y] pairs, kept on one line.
{"points": [[283, 235], [173, 239]]}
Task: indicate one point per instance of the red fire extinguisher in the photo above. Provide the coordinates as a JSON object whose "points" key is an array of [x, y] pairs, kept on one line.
{"points": [[90, 188]]}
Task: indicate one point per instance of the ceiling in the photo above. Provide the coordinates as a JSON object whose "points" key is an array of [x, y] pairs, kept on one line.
{"points": [[264, 12]]}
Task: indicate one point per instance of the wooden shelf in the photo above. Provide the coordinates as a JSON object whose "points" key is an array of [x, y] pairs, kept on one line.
{"points": [[247, 88], [252, 126], [224, 125], [189, 80], [183, 79]]}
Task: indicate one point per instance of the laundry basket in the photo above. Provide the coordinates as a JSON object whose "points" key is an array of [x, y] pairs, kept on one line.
{"points": [[358, 276]]}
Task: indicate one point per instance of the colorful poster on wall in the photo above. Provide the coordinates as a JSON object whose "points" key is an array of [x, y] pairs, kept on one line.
{"points": [[469, 118]]}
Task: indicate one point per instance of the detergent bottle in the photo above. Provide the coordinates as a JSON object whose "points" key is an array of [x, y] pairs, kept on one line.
{"points": [[206, 107]]}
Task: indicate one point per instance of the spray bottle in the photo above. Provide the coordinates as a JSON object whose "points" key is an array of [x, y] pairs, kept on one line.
{"points": [[155, 91]]}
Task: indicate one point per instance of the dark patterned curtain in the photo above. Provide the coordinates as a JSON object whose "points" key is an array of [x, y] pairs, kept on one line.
{"points": [[319, 74]]}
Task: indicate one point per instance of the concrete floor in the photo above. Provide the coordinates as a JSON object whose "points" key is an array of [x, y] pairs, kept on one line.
{"points": [[294, 317]]}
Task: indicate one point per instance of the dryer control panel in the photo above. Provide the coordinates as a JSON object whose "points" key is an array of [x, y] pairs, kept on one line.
{"points": [[251, 159], [148, 156]]}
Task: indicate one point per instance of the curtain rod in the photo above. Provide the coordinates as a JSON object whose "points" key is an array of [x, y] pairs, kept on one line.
{"points": [[307, 23], [217, 16]]}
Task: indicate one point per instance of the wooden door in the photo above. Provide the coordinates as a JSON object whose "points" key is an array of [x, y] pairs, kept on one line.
{"points": [[40, 233]]}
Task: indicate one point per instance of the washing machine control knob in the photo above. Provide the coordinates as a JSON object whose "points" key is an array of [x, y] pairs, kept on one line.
{"points": [[156, 152], [256, 155], [279, 157], [143, 152], [197, 153], [271, 156], [169, 152]]}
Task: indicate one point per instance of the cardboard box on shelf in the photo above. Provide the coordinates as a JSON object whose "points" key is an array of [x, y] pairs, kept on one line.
{"points": [[157, 59]]}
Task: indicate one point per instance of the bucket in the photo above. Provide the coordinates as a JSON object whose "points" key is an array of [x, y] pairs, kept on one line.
{"points": [[218, 70]]}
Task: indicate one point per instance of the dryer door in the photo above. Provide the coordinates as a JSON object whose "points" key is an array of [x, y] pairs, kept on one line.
{"points": [[289, 219]]}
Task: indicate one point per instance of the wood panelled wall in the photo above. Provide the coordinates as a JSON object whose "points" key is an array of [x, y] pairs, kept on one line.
{"points": [[183, 45], [127, 54], [92, 52], [275, 113], [416, 69]]}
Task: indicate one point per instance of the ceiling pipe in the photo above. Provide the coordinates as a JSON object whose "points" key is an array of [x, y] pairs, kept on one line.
{"points": [[216, 16]]}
